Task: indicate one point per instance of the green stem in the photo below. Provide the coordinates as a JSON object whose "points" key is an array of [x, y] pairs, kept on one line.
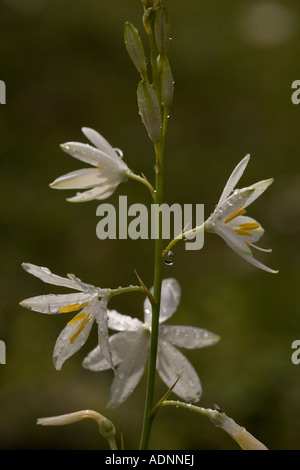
{"points": [[142, 180], [182, 236]]}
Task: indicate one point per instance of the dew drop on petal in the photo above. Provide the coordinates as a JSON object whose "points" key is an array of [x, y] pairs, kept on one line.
{"points": [[119, 152]]}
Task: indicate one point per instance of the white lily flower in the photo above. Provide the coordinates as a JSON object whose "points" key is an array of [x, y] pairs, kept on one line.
{"points": [[85, 302], [129, 348], [101, 181], [228, 220]]}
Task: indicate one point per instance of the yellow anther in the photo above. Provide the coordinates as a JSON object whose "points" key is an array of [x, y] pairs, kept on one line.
{"points": [[78, 317], [72, 308], [240, 231], [80, 327], [249, 226], [235, 214]]}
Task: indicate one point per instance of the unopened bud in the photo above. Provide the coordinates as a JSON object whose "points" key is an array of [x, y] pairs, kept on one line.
{"points": [[162, 30], [167, 84], [135, 48], [149, 110], [148, 17]]}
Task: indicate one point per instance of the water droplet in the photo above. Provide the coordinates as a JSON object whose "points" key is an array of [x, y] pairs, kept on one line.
{"points": [[169, 258], [119, 152]]}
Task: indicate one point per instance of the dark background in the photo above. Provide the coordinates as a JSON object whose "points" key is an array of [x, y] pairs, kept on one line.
{"points": [[65, 66]]}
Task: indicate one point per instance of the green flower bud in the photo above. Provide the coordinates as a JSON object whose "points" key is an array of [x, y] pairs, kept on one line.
{"points": [[167, 84], [135, 48], [162, 30], [149, 110]]}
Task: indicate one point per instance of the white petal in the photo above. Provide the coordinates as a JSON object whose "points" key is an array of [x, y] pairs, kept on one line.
{"points": [[170, 298], [101, 317], [256, 233], [119, 322], [257, 263], [131, 368], [84, 178], [71, 339], [118, 344], [53, 303], [170, 364], [233, 179], [259, 188], [233, 240], [99, 193], [88, 154], [187, 336], [47, 276], [99, 141]]}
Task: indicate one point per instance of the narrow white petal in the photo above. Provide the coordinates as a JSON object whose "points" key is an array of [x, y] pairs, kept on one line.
{"points": [[255, 233], [72, 338], [170, 298], [118, 343], [52, 304], [101, 317], [187, 336], [170, 364], [233, 240], [84, 178], [99, 141], [47, 276], [258, 264], [131, 369], [88, 154], [233, 179], [119, 322], [99, 193], [259, 188]]}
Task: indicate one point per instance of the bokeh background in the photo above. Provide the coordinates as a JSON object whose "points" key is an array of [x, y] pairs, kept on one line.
{"points": [[65, 66]]}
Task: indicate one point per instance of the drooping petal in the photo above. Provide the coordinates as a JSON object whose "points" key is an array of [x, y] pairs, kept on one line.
{"points": [[84, 178], [99, 141], [47, 276], [233, 240], [101, 317], [187, 336], [170, 298], [257, 263], [233, 179], [131, 369], [62, 303], [170, 364], [119, 322], [72, 337], [118, 344], [88, 154], [99, 192]]}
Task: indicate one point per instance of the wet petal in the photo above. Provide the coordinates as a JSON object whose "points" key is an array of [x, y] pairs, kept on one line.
{"points": [[131, 368], [47, 276], [99, 192], [101, 317], [170, 298], [118, 344], [53, 303], [84, 178], [170, 364], [233, 240], [259, 188], [187, 336], [119, 322], [72, 338], [257, 263], [88, 154], [99, 141], [233, 179]]}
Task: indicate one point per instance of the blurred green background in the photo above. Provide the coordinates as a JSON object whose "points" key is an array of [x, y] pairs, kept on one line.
{"points": [[65, 66]]}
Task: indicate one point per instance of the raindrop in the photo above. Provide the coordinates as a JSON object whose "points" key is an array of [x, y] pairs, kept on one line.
{"points": [[119, 153], [169, 258]]}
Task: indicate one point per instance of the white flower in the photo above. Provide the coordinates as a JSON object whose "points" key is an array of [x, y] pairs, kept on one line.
{"points": [[85, 302], [101, 181], [228, 219], [129, 349]]}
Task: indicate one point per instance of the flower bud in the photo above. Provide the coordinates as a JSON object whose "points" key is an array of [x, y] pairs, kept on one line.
{"points": [[162, 30], [167, 84], [135, 48], [149, 110]]}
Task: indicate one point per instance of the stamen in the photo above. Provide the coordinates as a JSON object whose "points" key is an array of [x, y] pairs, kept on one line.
{"points": [[249, 226], [80, 328], [240, 231], [78, 317], [235, 214], [72, 308]]}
